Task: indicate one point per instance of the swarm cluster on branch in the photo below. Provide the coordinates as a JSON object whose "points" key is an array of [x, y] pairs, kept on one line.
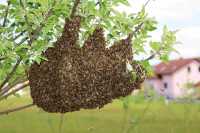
{"points": [[77, 78]]}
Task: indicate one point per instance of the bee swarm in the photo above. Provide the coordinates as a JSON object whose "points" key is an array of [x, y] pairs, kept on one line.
{"points": [[76, 78]]}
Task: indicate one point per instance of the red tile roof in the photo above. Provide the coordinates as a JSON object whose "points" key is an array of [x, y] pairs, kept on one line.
{"points": [[172, 66]]}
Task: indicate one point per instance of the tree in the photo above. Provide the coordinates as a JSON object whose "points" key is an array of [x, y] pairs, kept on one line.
{"points": [[29, 27]]}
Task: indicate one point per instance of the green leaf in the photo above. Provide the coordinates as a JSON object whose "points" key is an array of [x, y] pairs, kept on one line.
{"points": [[117, 25], [13, 2], [17, 95], [126, 102], [155, 45], [164, 58]]}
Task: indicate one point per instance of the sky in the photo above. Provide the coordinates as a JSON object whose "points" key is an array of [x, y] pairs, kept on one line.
{"points": [[182, 15]]}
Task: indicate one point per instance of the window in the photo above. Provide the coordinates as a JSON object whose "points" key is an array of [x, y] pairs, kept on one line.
{"points": [[189, 69], [163, 89], [159, 76], [165, 85]]}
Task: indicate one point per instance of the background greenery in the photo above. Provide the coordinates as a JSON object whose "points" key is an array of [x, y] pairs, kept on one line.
{"points": [[29, 27], [141, 116]]}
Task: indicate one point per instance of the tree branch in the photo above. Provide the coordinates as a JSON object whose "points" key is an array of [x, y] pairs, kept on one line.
{"points": [[16, 89], [6, 14], [138, 28], [34, 37], [34, 34], [2, 58], [98, 3], [6, 112], [74, 9], [146, 4], [22, 41], [39, 28], [142, 116], [61, 123], [29, 27], [46, 17], [9, 87], [11, 73], [152, 56], [19, 35]]}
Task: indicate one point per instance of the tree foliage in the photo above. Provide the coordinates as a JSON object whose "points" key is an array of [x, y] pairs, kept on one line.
{"points": [[29, 27]]}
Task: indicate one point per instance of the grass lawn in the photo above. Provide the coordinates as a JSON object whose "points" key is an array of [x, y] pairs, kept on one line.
{"points": [[142, 117]]}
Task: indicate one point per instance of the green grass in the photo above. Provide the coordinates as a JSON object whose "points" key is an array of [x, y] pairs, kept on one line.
{"points": [[142, 117]]}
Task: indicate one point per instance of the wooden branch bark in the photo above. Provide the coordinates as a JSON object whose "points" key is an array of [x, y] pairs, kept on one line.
{"points": [[138, 28], [2, 58], [15, 89], [11, 73], [146, 4], [29, 27], [152, 56], [6, 112], [14, 85], [34, 37], [35, 33], [19, 35], [74, 8], [6, 14], [7, 88], [22, 41]]}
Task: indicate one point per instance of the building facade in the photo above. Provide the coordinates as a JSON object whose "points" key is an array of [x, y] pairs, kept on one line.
{"points": [[173, 79]]}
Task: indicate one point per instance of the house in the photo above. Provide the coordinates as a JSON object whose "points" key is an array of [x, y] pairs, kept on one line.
{"points": [[174, 78]]}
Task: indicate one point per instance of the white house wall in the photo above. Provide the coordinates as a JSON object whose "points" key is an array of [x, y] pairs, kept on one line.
{"points": [[182, 77], [177, 81]]}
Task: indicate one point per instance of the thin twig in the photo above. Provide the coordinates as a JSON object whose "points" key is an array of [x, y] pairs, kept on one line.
{"points": [[24, 8], [9, 87], [11, 73], [35, 33], [19, 35], [2, 58], [74, 9], [6, 112], [146, 4], [46, 17], [152, 56], [42, 24], [50, 124], [6, 14], [34, 37], [61, 123], [29, 27], [16, 89], [98, 3], [142, 115], [139, 27], [22, 41], [39, 28], [124, 121]]}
